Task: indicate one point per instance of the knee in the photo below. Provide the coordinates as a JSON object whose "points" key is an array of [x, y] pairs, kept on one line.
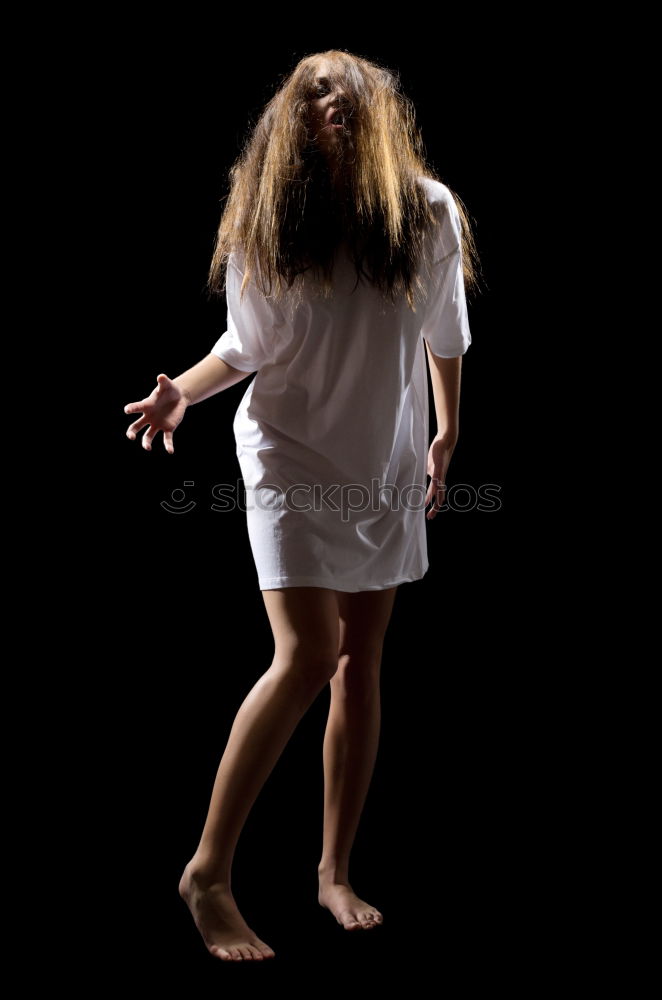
{"points": [[359, 670], [311, 664]]}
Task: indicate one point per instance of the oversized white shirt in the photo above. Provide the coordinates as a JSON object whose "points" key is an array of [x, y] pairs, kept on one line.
{"points": [[333, 432]]}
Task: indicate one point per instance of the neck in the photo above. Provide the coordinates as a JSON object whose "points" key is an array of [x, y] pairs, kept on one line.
{"points": [[337, 175]]}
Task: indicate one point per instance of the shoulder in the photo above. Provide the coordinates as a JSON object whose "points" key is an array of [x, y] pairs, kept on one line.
{"points": [[236, 271], [436, 191], [237, 260], [448, 229]]}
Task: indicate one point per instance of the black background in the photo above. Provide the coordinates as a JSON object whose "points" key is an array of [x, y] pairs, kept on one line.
{"points": [[446, 844]]}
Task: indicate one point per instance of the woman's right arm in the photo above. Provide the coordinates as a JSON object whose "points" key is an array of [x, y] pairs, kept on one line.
{"points": [[164, 409], [206, 378]]}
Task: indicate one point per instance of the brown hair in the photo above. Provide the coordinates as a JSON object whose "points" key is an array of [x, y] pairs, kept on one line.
{"points": [[286, 216]]}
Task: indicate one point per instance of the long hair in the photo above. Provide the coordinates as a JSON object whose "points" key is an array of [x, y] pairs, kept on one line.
{"points": [[289, 206]]}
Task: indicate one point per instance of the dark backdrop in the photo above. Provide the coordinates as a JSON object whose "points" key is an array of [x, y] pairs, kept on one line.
{"points": [[182, 630]]}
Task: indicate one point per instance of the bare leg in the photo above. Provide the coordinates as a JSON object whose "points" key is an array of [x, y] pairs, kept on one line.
{"points": [[350, 748], [304, 622]]}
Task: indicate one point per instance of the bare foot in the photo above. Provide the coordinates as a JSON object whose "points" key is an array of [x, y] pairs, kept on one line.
{"points": [[350, 911], [223, 929]]}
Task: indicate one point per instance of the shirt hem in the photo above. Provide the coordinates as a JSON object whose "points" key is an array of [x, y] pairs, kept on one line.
{"points": [[278, 582], [221, 353]]}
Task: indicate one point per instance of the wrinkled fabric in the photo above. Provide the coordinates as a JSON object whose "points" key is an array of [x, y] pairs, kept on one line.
{"points": [[332, 433]]}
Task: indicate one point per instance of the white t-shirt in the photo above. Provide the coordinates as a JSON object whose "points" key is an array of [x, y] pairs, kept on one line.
{"points": [[332, 433]]}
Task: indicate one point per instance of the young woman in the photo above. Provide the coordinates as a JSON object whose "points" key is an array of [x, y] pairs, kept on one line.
{"points": [[344, 260]]}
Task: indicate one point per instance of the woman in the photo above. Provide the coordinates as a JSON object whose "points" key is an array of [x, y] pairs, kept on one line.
{"points": [[342, 256]]}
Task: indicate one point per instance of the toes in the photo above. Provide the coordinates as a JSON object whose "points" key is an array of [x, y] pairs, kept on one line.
{"points": [[244, 953]]}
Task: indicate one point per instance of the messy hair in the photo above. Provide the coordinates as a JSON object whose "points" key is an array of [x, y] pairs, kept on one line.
{"points": [[286, 216]]}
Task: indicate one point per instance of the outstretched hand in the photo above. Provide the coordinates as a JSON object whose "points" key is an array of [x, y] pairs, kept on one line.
{"points": [[161, 411], [439, 458]]}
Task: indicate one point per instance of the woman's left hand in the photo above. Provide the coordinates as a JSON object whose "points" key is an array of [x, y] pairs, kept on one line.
{"points": [[439, 457]]}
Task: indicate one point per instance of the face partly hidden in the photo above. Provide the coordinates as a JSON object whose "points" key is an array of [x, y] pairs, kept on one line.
{"points": [[327, 112]]}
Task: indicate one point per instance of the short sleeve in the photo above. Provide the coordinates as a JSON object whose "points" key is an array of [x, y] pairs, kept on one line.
{"points": [[446, 320], [246, 344]]}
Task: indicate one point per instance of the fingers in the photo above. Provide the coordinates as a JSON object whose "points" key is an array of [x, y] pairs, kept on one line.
{"points": [[136, 426], [162, 382], [135, 407], [148, 437], [436, 490], [144, 407]]}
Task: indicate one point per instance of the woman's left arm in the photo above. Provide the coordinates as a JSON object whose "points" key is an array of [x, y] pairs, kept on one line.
{"points": [[445, 374]]}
